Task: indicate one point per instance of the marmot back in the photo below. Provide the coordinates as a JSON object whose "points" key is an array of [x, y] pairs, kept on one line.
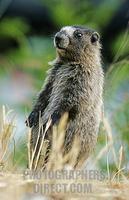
{"points": [[74, 84]]}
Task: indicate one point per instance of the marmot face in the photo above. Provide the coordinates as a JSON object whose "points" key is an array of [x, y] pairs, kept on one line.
{"points": [[74, 43]]}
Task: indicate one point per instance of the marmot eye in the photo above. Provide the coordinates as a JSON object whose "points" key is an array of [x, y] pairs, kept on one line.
{"points": [[78, 34], [95, 37]]}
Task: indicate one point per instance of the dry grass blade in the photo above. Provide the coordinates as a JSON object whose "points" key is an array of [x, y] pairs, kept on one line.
{"points": [[33, 153], [110, 146], [121, 153], [29, 149], [102, 152], [6, 133], [42, 141], [58, 137], [120, 168]]}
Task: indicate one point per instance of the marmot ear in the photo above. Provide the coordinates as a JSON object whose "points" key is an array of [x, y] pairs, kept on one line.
{"points": [[95, 37]]}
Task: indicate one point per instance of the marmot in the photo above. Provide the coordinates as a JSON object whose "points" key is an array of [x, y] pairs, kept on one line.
{"points": [[74, 85]]}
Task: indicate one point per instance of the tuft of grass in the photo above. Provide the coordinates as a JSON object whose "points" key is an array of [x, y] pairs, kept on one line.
{"points": [[22, 185], [56, 152], [7, 128]]}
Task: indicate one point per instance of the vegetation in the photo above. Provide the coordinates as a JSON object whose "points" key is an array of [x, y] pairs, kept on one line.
{"points": [[22, 71], [33, 182]]}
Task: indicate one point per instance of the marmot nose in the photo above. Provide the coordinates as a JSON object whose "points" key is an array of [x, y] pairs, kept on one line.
{"points": [[58, 38], [61, 41]]}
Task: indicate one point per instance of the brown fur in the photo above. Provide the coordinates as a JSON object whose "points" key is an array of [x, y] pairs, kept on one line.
{"points": [[74, 84]]}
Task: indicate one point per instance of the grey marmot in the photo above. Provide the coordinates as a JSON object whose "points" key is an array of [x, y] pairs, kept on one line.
{"points": [[75, 85]]}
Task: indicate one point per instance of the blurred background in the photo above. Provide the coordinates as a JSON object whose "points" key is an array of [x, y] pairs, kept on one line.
{"points": [[27, 28]]}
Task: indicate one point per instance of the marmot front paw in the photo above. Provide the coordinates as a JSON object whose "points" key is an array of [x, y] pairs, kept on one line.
{"points": [[32, 119]]}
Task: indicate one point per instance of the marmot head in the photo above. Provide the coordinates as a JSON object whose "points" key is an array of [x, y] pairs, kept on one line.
{"points": [[75, 43]]}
